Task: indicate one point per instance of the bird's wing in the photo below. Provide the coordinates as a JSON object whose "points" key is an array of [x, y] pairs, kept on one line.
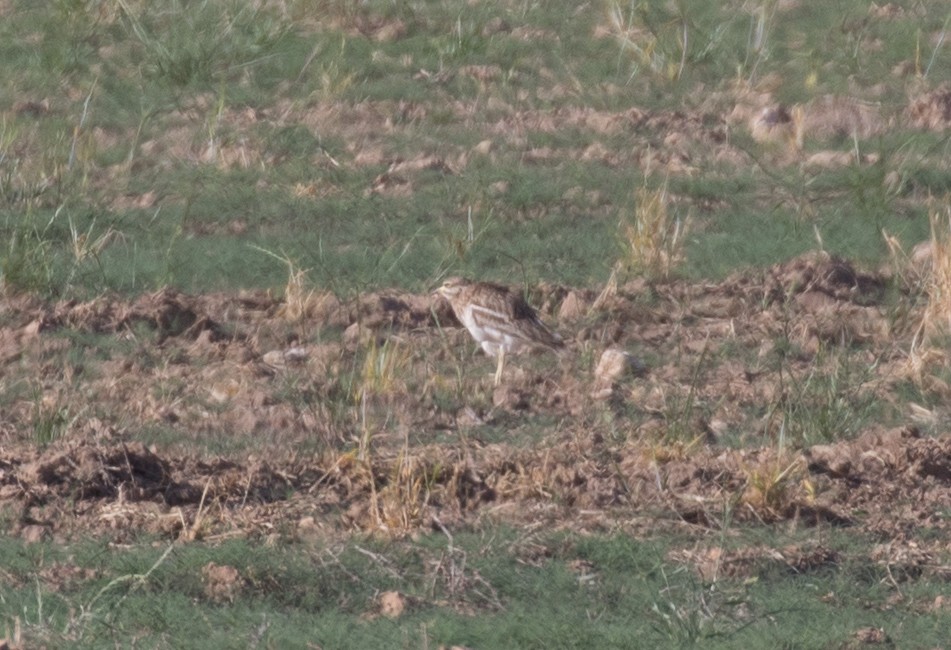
{"points": [[523, 313]]}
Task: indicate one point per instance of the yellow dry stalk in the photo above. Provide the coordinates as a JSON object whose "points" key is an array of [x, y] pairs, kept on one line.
{"points": [[809, 487], [916, 272], [927, 348], [918, 56], [333, 80], [937, 316], [203, 524], [769, 485], [298, 299], [608, 292], [664, 451], [383, 371], [401, 504], [633, 38], [16, 637], [83, 244], [652, 239], [797, 137], [899, 261]]}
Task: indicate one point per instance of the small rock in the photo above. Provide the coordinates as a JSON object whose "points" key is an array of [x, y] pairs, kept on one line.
{"points": [[892, 181], [34, 533], [358, 334], [904, 69], [614, 365], [495, 26], [829, 159], [283, 358], [828, 459], [353, 334], [274, 358], [223, 391], [871, 635], [465, 418], [484, 147], [295, 355], [308, 529], [612, 368], [392, 31], [392, 604], [573, 307], [922, 255], [32, 108], [510, 398], [499, 188], [33, 329], [222, 582], [602, 393]]}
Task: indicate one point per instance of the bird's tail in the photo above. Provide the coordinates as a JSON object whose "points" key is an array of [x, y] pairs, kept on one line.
{"points": [[547, 337]]}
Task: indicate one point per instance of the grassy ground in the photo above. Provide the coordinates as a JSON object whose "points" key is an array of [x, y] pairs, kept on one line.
{"points": [[145, 146], [493, 588], [216, 146]]}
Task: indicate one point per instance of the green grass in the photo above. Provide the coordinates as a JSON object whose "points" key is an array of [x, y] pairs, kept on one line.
{"points": [[505, 590], [148, 89]]}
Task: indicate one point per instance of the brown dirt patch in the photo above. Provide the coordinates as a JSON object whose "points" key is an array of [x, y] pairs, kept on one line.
{"points": [[893, 484], [931, 110], [221, 582], [284, 385]]}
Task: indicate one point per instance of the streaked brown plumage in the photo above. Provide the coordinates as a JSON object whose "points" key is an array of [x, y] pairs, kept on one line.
{"points": [[498, 318]]}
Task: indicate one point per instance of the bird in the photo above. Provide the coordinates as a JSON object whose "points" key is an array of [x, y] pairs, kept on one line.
{"points": [[498, 318]]}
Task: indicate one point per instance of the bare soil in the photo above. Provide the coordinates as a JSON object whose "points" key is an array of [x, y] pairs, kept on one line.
{"points": [[711, 359]]}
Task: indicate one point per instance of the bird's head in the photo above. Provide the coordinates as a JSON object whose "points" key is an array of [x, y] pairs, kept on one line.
{"points": [[451, 287]]}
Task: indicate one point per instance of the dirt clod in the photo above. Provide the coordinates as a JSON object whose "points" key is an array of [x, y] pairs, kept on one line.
{"points": [[392, 604], [33, 533], [871, 636], [221, 582]]}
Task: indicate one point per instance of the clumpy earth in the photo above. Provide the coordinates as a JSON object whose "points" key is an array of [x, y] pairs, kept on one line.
{"points": [[786, 395]]}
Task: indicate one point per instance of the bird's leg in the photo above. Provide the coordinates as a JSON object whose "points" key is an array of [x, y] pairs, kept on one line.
{"points": [[498, 370]]}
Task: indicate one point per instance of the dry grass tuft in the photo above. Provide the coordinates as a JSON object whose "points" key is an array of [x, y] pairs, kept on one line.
{"points": [[771, 486], [84, 245], [662, 53], [666, 450], [14, 639], [929, 268], [400, 504], [652, 239], [382, 376], [300, 301], [384, 369], [937, 317]]}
